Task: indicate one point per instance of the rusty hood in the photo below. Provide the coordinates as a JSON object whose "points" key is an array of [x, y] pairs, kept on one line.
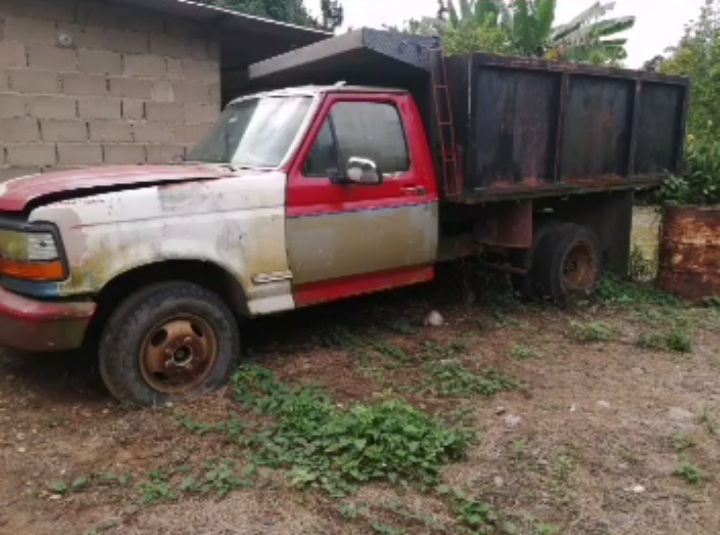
{"points": [[17, 194]]}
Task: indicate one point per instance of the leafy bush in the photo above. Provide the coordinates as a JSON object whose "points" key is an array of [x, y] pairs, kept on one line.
{"points": [[700, 182], [333, 448], [697, 55]]}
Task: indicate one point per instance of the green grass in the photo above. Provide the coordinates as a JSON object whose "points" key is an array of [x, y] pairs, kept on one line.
{"points": [[111, 478], [337, 449], [707, 418], [302, 432], [401, 326], [524, 353], [629, 294], [677, 341], [671, 319], [542, 528], [591, 333], [65, 487], [156, 491], [682, 442], [391, 352], [216, 477], [454, 380], [381, 528], [690, 473], [435, 352]]}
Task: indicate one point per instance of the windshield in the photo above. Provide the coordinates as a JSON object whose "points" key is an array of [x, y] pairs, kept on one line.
{"points": [[256, 132]]}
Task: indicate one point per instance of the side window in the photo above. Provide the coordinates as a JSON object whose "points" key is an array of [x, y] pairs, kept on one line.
{"points": [[323, 159], [359, 129], [371, 130]]}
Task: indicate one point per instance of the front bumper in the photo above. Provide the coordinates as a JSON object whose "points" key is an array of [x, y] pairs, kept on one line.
{"points": [[39, 326]]}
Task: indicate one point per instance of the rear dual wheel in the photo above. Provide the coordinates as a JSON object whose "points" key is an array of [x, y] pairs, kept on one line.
{"points": [[167, 342], [564, 264]]}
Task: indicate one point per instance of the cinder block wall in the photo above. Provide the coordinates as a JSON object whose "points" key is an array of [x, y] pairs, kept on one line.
{"points": [[84, 82]]}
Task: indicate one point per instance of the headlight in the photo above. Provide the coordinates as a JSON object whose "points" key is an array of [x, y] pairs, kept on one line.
{"points": [[30, 255], [41, 247]]}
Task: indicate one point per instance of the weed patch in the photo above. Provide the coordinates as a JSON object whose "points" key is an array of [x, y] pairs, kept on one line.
{"points": [[456, 381], [641, 269], [707, 418], [524, 353], [677, 340], [541, 528], [218, 477], [690, 473], [683, 442], [337, 449], [591, 333], [64, 487], [391, 352], [401, 326], [615, 291]]}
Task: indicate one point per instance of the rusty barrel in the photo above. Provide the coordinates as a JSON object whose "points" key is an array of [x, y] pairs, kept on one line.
{"points": [[690, 252]]}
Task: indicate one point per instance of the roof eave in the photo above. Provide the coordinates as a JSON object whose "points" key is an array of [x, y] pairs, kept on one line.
{"points": [[230, 19]]}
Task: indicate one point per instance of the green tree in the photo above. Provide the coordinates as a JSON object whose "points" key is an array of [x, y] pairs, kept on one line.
{"points": [[527, 27], [290, 11], [590, 37], [698, 56]]}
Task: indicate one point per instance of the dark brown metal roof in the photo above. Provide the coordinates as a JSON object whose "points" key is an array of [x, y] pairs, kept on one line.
{"points": [[363, 57]]}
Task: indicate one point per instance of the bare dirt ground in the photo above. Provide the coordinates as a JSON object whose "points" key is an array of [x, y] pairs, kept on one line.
{"points": [[616, 429]]}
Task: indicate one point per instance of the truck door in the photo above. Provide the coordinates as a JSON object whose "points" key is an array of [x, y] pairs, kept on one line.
{"points": [[348, 239]]}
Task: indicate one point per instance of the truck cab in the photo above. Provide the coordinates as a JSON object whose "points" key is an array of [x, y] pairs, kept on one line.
{"points": [[296, 197]]}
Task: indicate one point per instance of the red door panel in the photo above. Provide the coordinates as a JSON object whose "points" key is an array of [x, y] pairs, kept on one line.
{"points": [[349, 239]]}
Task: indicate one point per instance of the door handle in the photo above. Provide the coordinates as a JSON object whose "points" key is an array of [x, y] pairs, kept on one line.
{"points": [[414, 190]]}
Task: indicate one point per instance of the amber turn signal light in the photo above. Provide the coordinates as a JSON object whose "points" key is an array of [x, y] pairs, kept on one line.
{"points": [[40, 271]]}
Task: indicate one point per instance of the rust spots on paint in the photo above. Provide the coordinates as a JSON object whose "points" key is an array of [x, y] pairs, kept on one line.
{"points": [[505, 225], [690, 252], [32, 325]]}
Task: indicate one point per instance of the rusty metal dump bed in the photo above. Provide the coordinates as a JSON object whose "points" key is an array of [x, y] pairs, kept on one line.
{"points": [[533, 127], [523, 128]]}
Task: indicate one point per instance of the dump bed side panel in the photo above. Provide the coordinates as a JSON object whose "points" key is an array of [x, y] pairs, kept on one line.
{"points": [[534, 128], [660, 127], [514, 127], [597, 128]]}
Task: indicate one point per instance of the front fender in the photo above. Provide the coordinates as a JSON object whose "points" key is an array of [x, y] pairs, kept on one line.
{"points": [[112, 234]]}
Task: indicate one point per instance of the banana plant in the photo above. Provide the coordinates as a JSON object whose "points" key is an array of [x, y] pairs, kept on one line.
{"points": [[484, 13], [531, 30], [589, 34]]}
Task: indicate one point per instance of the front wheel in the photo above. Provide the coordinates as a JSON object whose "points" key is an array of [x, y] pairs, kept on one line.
{"points": [[168, 341]]}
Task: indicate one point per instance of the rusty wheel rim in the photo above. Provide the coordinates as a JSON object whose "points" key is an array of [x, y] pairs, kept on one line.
{"points": [[178, 354], [579, 268]]}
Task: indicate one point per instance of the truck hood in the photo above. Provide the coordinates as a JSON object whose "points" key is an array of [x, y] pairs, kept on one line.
{"points": [[17, 194]]}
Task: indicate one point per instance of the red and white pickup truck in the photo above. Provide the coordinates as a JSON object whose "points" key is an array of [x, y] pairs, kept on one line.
{"points": [[297, 197]]}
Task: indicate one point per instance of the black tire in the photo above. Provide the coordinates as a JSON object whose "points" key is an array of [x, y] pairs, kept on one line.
{"points": [[568, 264], [525, 285], [143, 337]]}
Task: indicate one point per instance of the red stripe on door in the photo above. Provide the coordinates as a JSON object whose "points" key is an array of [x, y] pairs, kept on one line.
{"points": [[332, 290]]}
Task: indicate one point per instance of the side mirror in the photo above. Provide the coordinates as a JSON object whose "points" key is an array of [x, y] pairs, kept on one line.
{"points": [[363, 171]]}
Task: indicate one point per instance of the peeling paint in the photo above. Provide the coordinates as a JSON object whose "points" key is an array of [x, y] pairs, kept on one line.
{"points": [[236, 223]]}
